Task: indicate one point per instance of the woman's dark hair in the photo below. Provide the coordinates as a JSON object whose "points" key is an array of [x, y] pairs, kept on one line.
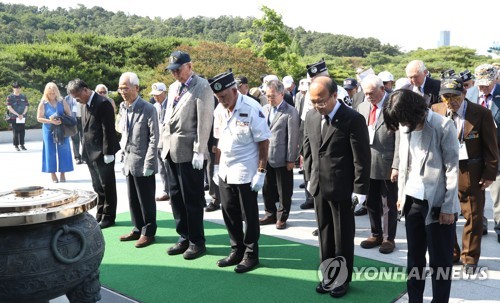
{"points": [[404, 107]]}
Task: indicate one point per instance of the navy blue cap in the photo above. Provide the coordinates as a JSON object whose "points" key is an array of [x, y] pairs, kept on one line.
{"points": [[177, 59], [221, 81], [317, 68]]}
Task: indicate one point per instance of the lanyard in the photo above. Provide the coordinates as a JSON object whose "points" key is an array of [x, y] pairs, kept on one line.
{"points": [[463, 122]]}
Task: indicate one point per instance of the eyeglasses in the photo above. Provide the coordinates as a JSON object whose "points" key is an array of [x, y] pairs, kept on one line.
{"points": [[123, 90], [321, 104], [102, 92], [449, 98]]}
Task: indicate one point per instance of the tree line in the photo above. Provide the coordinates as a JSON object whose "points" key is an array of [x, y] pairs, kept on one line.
{"points": [[38, 45]]}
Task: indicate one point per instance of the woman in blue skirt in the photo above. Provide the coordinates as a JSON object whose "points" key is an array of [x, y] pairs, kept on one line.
{"points": [[56, 155]]}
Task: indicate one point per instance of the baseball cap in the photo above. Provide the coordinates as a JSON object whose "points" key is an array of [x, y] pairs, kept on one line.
{"points": [[386, 76], [178, 58], [158, 88], [452, 85], [304, 84], [350, 83], [287, 81], [241, 80], [485, 74]]}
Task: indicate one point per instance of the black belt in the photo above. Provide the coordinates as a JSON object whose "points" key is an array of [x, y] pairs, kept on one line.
{"points": [[418, 201], [471, 161]]}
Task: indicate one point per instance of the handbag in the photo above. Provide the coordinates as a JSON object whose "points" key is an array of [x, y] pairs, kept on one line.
{"points": [[69, 125]]}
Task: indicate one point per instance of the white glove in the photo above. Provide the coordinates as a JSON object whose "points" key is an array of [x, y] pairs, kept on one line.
{"points": [[258, 181], [215, 177], [361, 198], [108, 158], [147, 172], [197, 160]]}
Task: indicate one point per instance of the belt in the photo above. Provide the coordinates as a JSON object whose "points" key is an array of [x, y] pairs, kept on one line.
{"points": [[418, 201], [471, 161]]}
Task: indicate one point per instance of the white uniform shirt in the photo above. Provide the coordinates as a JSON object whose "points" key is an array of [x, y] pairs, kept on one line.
{"points": [[239, 133]]}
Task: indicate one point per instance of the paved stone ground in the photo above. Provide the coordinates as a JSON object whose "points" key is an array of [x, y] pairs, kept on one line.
{"points": [[24, 168]]}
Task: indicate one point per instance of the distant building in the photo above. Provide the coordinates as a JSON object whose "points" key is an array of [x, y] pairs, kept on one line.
{"points": [[444, 38]]}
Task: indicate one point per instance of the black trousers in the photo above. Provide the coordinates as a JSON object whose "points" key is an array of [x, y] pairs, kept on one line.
{"points": [[335, 230], [374, 205], [163, 170], [141, 196], [213, 189], [104, 184], [278, 186], [76, 139], [187, 199], [239, 203], [439, 240], [18, 131]]}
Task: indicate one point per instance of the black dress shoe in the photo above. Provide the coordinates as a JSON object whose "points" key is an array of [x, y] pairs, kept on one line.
{"points": [[206, 187], [233, 259], [23, 148], [246, 265], [106, 223], [485, 232], [320, 289], [361, 212], [194, 251], [79, 161], [340, 291], [16, 147], [302, 185], [178, 248], [315, 232], [307, 205], [212, 207]]}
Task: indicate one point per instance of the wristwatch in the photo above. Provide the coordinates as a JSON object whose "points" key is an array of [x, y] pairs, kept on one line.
{"points": [[262, 170]]}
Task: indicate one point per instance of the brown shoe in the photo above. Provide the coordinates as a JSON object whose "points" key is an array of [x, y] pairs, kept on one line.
{"points": [[387, 247], [130, 237], [267, 220], [372, 242], [164, 197], [144, 241], [280, 224]]}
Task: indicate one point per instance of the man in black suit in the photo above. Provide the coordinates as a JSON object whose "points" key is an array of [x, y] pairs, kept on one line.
{"points": [[337, 165], [99, 146], [421, 83]]}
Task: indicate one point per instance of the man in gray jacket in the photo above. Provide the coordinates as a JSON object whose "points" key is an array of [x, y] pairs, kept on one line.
{"points": [[187, 124], [140, 160]]}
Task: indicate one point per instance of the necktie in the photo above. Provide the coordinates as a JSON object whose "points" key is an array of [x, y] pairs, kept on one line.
{"points": [[373, 115], [420, 92], [87, 111], [179, 94], [271, 116], [485, 101], [324, 127]]}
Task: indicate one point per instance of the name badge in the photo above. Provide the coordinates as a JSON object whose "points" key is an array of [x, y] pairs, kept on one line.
{"points": [[462, 152]]}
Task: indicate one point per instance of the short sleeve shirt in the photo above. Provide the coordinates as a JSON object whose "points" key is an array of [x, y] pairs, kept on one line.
{"points": [[18, 103], [239, 134]]}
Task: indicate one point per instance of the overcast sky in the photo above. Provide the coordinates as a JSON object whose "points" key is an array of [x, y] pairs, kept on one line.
{"points": [[409, 24]]}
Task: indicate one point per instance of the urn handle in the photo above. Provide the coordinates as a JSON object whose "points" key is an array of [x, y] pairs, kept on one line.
{"points": [[65, 229]]}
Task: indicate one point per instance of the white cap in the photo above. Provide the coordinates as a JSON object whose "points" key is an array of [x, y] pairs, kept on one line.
{"points": [[287, 81], [269, 78], [304, 84], [386, 76], [401, 82], [158, 88]]}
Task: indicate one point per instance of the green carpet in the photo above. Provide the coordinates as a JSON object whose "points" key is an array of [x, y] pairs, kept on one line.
{"points": [[288, 271]]}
